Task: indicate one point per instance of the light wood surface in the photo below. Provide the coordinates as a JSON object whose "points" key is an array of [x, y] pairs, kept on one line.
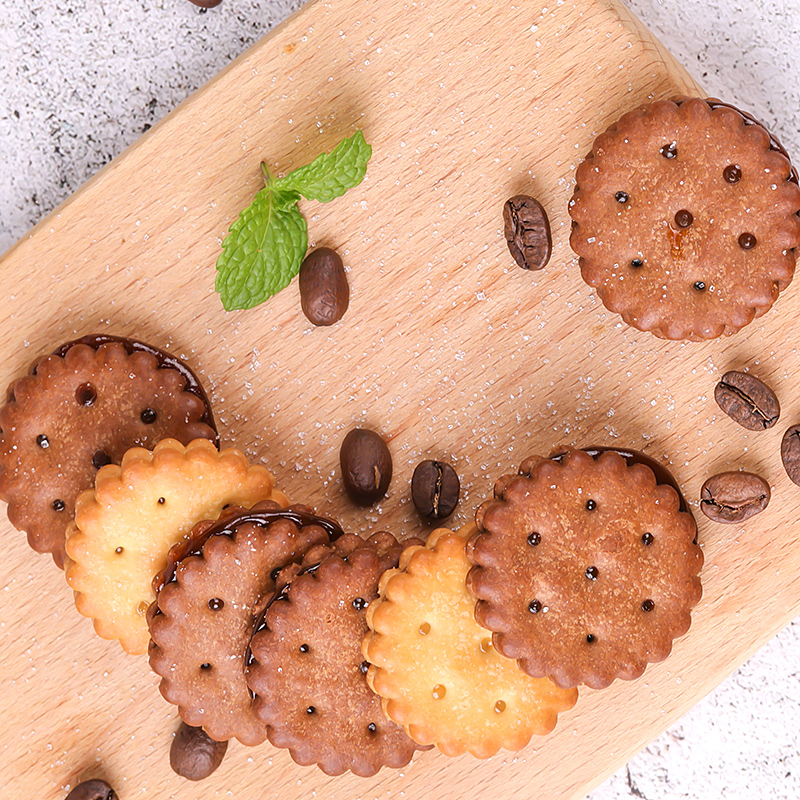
{"points": [[448, 349]]}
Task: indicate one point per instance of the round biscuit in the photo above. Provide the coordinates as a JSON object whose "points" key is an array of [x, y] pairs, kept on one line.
{"points": [[435, 668], [81, 408], [685, 219], [204, 614], [308, 673], [585, 568]]}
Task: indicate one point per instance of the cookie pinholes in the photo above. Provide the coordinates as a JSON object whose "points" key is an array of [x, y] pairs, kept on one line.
{"points": [[685, 218], [125, 526], [606, 570], [307, 671], [215, 586], [79, 409], [435, 668]]}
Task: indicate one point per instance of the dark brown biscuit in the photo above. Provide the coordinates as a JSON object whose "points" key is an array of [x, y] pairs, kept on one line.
{"points": [[79, 409], [209, 597], [585, 568], [308, 672], [685, 218], [383, 542]]}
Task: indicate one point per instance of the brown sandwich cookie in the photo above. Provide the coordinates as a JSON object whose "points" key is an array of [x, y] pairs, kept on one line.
{"points": [[585, 569], [83, 407], [309, 675], [343, 546], [215, 586], [685, 218]]}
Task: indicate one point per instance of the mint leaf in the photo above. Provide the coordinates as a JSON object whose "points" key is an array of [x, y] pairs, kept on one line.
{"points": [[263, 250], [265, 247], [330, 175]]}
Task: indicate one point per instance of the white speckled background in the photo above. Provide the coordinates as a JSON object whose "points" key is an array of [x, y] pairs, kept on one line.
{"points": [[83, 79]]}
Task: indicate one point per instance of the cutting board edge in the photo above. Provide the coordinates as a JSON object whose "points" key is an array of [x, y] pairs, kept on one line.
{"points": [[714, 680], [671, 64], [188, 102], [627, 19]]}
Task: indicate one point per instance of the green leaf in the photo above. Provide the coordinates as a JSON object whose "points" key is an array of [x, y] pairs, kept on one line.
{"points": [[265, 247], [263, 250], [331, 174]]}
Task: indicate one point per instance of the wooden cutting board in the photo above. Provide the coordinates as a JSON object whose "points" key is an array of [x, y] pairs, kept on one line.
{"points": [[448, 349]]}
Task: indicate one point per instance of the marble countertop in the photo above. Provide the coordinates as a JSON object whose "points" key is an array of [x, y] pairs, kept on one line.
{"points": [[82, 80]]}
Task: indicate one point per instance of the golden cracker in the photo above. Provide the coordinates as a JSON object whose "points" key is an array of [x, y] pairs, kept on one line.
{"points": [[125, 526], [435, 668]]}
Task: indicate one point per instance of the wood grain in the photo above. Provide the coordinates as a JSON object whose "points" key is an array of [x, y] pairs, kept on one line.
{"points": [[448, 349]]}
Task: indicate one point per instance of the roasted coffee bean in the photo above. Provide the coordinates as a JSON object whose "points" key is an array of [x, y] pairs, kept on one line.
{"points": [[747, 400], [206, 3], [92, 790], [734, 496], [434, 489], [366, 466], [527, 232], [790, 453], [324, 291], [194, 754]]}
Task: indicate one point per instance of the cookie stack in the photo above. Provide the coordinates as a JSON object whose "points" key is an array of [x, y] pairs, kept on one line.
{"points": [[268, 622], [581, 570], [110, 460], [256, 633], [83, 407], [435, 667]]}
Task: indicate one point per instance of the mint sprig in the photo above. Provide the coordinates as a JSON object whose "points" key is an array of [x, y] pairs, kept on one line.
{"points": [[265, 247], [330, 175]]}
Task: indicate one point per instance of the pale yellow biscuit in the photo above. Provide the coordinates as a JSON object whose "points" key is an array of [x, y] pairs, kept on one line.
{"points": [[435, 668], [125, 526]]}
